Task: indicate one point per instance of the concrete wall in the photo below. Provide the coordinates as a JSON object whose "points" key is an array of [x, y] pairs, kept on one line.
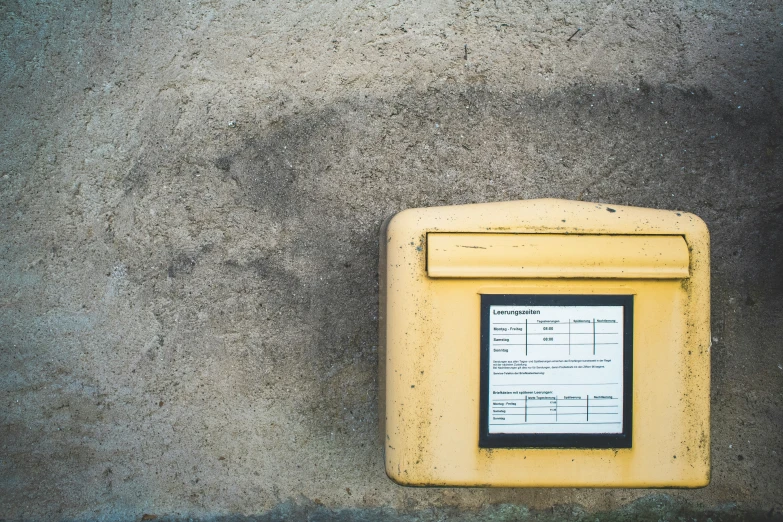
{"points": [[190, 197]]}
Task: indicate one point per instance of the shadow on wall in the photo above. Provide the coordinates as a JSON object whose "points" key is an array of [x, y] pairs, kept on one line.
{"points": [[328, 179]]}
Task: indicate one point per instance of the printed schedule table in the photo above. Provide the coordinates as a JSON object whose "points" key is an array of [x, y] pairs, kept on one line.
{"points": [[546, 409], [550, 333]]}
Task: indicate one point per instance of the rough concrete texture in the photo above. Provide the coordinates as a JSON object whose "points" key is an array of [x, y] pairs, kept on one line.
{"points": [[190, 197]]}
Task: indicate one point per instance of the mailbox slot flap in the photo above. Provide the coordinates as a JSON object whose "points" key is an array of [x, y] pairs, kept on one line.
{"points": [[493, 255]]}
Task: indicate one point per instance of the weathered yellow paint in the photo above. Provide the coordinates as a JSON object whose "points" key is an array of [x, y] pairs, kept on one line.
{"points": [[429, 337]]}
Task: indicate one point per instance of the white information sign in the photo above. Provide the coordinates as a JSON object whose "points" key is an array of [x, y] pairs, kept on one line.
{"points": [[555, 369]]}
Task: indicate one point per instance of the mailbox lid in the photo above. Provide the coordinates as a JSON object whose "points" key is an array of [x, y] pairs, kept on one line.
{"points": [[493, 255]]}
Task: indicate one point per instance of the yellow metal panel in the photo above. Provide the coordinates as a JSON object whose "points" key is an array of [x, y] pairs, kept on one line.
{"points": [[429, 344], [556, 256]]}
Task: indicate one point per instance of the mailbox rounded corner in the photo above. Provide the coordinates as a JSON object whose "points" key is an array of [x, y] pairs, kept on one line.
{"points": [[403, 222], [398, 476], [696, 227], [703, 479]]}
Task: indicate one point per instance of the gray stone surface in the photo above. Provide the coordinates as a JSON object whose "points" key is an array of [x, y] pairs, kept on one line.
{"points": [[190, 196]]}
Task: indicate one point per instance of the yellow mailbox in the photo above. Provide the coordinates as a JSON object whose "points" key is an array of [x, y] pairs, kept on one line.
{"points": [[545, 343]]}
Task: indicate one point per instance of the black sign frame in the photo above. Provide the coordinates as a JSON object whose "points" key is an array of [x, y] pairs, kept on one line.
{"points": [[557, 440]]}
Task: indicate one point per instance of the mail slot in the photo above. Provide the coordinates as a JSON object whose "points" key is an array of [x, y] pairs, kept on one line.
{"points": [[545, 343]]}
